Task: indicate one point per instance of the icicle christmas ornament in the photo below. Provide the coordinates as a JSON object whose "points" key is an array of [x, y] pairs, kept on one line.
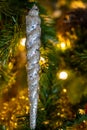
{"points": [[33, 33]]}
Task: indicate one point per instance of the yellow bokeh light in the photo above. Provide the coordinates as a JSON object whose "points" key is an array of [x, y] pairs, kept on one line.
{"points": [[3, 112], [4, 107], [42, 61], [15, 124], [23, 97], [63, 75], [63, 45], [22, 41], [84, 121], [77, 4], [81, 111], [42, 109], [21, 45], [2, 118], [64, 90], [10, 65], [58, 114], [46, 122], [26, 98]]}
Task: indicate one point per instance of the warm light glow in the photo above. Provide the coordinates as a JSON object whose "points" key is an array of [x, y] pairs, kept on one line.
{"points": [[68, 43], [27, 98], [27, 109], [22, 41], [81, 111], [42, 109], [63, 75], [2, 118], [42, 60], [3, 112], [10, 65], [62, 115], [46, 122], [77, 4], [12, 117], [58, 113], [15, 124], [4, 107], [23, 97], [62, 109], [84, 121], [63, 45], [5, 104], [57, 13], [64, 90], [13, 99]]}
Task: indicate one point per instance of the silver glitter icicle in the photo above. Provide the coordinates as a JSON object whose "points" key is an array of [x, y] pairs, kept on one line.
{"points": [[33, 33]]}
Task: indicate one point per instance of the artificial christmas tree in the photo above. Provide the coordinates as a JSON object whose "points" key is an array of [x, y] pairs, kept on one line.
{"points": [[61, 101]]}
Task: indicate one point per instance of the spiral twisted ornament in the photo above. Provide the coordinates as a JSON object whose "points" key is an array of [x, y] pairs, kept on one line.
{"points": [[33, 33]]}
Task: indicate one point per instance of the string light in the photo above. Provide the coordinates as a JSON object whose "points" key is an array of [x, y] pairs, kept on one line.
{"points": [[63, 75], [10, 65], [46, 122], [15, 124], [42, 61], [63, 46], [22, 41], [64, 90], [81, 111], [77, 4]]}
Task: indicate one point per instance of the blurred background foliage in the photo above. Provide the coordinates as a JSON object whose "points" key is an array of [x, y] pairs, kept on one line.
{"points": [[63, 96]]}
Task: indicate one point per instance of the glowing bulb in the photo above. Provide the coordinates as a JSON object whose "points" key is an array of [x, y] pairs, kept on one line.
{"points": [[77, 4], [27, 109], [15, 124], [63, 75], [27, 98], [22, 41], [46, 122], [42, 109], [10, 65], [64, 90], [23, 97], [81, 111], [2, 118], [42, 60], [84, 121], [63, 45]]}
